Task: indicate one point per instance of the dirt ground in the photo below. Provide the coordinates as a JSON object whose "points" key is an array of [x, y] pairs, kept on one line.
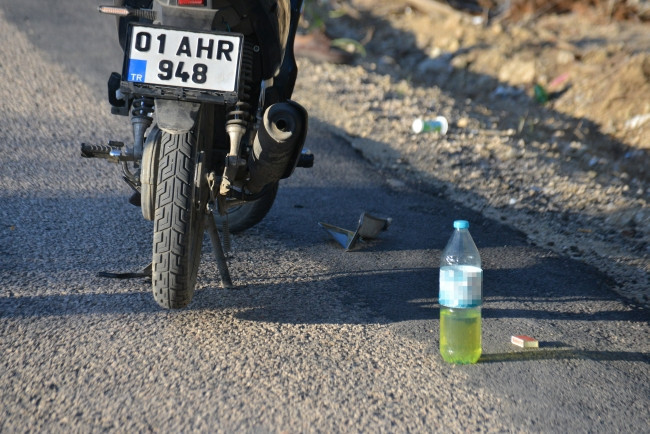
{"points": [[549, 116], [584, 64]]}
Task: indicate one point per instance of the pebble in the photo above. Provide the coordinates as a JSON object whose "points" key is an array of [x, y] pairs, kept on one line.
{"points": [[565, 56], [396, 184], [517, 72]]}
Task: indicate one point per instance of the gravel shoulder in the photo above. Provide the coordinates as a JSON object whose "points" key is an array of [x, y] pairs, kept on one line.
{"points": [[572, 183]]}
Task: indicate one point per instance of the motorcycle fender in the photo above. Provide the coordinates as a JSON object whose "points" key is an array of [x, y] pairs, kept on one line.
{"points": [[176, 117]]}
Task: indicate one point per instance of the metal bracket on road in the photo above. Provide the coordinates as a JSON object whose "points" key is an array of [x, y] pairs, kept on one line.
{"points": [[368, 228]]}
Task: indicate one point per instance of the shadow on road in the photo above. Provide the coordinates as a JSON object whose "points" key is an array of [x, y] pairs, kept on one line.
{"points": [[565, 354], [392, 279], [376, 295], [408, 294]]}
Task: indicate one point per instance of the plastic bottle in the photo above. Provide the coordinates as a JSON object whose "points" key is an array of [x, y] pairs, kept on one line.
{"points": [[460, 298]]}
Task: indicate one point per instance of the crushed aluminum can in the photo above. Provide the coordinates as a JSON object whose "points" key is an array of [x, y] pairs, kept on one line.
{"points": [[439, 124]]}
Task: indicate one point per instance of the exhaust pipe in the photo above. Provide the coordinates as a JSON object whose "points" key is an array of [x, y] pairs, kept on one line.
{"points": [[278, 144]]}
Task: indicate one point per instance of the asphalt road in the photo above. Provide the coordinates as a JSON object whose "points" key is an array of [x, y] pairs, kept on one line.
{"points": [[312, 338]]}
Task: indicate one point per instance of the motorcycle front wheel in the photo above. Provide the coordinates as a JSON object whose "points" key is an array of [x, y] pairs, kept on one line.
{"points": [[178, 220]]}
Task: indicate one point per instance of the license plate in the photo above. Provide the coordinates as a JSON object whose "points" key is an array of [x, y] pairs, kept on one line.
{"points": [[160, 56]]}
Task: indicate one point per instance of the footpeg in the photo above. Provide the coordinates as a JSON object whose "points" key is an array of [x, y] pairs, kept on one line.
{"points": [[111, 152]]}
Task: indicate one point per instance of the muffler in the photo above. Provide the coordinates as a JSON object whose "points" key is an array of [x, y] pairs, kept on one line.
{"points": [[278, 145]]}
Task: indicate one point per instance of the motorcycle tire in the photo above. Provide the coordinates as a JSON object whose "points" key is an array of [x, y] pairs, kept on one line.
{"points": [[249, 214], [178, 221]]}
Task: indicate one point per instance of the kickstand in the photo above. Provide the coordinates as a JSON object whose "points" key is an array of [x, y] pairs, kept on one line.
{"points": [[222, 265], [145, 272]]}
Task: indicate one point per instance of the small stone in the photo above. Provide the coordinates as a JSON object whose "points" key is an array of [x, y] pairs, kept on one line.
{"points": [[460, 62], [496, 29], [435, 65], [565, 56], [518, 72], [396, 184]]}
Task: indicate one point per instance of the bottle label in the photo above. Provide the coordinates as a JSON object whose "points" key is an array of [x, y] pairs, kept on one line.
{"points": [[461, 286]]}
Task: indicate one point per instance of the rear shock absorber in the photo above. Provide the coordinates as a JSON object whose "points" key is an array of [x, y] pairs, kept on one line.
{"points": [[141, 119], [239, 119]]}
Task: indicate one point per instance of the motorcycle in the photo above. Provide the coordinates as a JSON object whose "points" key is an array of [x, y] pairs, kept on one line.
{"points": [[207, 85]]}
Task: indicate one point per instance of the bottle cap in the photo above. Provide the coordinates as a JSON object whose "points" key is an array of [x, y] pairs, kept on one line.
{"points": [[461, 224]]}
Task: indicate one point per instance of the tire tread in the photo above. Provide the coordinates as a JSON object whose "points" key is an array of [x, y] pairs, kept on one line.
{"points": [[174, 271]]}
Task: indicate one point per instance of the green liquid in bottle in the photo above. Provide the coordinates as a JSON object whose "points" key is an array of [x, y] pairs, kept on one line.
{"points": [[460, 335]]}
